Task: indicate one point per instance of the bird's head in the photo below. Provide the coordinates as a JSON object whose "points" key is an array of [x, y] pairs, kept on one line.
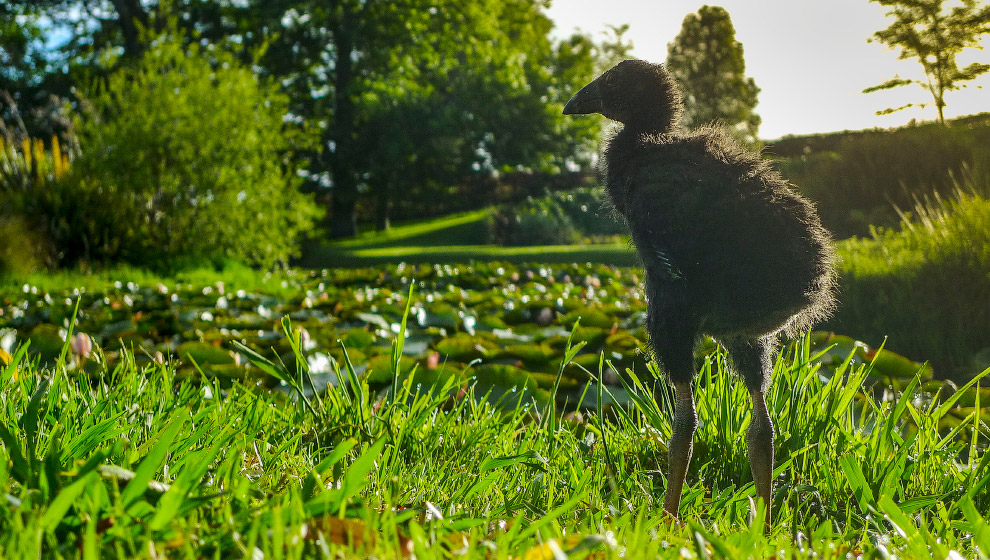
{"points": [[634, 92]]}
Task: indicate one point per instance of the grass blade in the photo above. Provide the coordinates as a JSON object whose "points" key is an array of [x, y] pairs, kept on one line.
{"points": [[65, 499], [153, 461]]}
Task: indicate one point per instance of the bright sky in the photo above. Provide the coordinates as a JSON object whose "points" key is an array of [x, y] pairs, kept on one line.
{"points": [[809, 57]]}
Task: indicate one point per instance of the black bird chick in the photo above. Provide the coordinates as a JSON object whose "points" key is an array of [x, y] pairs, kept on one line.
{"points": [[728, 248]]}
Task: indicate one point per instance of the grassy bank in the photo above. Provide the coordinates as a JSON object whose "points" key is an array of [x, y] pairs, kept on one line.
{"points": [[924, 285]]}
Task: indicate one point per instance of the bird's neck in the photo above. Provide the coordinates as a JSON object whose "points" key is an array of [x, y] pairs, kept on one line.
{"points": [[626, 140], [651, 122], [620, 151]]}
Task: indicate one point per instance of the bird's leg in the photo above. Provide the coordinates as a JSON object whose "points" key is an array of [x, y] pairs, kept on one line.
{"points": [[760, 441], [680, 445], [673, 330], [753, 359]]}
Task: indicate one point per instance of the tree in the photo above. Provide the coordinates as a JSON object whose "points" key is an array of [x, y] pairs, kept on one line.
{"points": [[707, 61], [24, 106], [415, 95], [934, 34], [184, 158]]}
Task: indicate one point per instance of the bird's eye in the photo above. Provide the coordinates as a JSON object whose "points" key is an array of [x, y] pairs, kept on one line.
{"points": [[609, 80]]}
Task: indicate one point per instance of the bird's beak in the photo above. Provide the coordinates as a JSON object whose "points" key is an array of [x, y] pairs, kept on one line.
{"points": [[586, 101]]}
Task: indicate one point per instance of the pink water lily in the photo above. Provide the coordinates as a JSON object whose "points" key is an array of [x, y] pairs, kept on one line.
{"points": [[81, 345]]}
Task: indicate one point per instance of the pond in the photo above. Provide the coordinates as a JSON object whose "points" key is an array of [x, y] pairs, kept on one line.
{"points": [[500, 325]]}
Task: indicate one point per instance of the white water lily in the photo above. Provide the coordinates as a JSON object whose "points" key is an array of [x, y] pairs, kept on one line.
{"points": [[8, 338]]}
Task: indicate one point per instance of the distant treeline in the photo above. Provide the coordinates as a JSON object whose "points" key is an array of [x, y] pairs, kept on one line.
{"points": [[858, 178]]}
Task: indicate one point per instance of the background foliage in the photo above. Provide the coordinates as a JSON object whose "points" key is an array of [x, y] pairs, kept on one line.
{"points": [[939, 251], [557, 218]]}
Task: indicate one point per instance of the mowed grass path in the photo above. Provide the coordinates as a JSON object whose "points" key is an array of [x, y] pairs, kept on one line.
{"points": [[136, 461], [455, 238]]}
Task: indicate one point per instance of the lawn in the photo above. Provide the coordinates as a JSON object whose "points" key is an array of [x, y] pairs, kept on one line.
{"points": [[170, 439], [458, 238]]}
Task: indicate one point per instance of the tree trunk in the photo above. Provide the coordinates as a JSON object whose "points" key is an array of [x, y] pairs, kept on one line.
{"points": [[383, 212], [343, 222], [341, 134], [132, 18]]}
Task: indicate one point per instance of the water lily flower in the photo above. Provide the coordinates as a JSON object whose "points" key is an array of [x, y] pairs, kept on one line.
{"points": [[8, 340], [81, 345], [545, 316], [306, 341]]}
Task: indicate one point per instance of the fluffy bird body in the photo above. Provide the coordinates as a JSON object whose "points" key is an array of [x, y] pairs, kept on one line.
{"points": [[728, 248], [714, 223]]}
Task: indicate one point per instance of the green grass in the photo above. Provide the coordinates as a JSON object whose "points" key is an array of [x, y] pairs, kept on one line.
{"points": [[135, 461], [456, 238], [456, 229], [619, 255]]}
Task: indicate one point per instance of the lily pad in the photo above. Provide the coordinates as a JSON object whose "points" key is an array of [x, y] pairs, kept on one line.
{"points": [[503, 375], [592, 336], [462, 347], [380, 368], [589, 317], [47, 340], [374, 319], [623, 342], [357, 338], [531, 354], [203, 353]]}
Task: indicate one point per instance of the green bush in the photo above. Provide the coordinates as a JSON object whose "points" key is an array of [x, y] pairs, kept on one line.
{"points": [[590, 211], [536, 221], [24, 250], [925, 285], [184, 159], [557, 218]]}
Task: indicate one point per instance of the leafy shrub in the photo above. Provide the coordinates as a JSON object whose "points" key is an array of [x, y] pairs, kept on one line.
{"points": [[184, 159], [590, 211], [557, 218], [926, 285], [537, 221], [23, 250]]}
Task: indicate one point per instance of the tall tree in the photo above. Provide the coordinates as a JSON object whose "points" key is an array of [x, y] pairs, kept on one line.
{"points": [[707, 61], [431, 93], [934, 33]]}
